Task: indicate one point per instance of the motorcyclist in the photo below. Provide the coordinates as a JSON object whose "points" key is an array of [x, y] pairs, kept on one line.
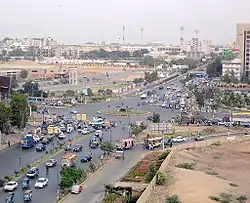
{"points": [[123, 126]]}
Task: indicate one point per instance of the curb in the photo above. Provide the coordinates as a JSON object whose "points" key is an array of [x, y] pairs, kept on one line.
{"points": [[125, 115], [87, 179]]}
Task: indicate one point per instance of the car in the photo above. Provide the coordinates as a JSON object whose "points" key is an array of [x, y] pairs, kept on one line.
{"points": [[61, 136], [77, 148], [76, 189], [86, 158], [73, 111], [198, 138], [40, 147], [41, 183], [50, 137], [179, 139], [32, 173], [45, 141], [10, 186], [51, 162], [85, 131], [70, 129]]}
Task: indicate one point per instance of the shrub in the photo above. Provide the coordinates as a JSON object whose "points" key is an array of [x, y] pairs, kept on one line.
{"points": [[161, 178], [8, 178], [233, 185], [163, 156], [149, 177], [217, 199], [189, 166], [110, 198], [241, 199], [92, 167], [173, 199], [213, 173], [152, 168]]}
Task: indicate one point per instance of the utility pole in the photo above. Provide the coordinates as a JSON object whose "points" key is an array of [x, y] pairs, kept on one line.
{"points": [[142, 30], [123, 35], [110, 135]]}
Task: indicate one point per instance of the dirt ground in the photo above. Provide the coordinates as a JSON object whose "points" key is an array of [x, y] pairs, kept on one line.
{"points": [[218, 172]]}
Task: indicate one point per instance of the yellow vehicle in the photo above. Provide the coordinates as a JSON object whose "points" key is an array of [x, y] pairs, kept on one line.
{"points": [[153, 142], [69, 160]]}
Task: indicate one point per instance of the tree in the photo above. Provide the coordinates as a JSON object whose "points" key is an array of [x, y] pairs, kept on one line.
{"points": [[23, 74], [14, 83], [108, 92], [19, 110], [70, 176], [89, 92], [150, 77], [5, 113], [155, 118], [107, 147], [70, 93], [32, 88], [138, 80]]}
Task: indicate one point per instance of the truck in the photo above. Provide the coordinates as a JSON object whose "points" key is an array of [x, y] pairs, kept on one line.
{"points": [[27, 142], [69, 160]]}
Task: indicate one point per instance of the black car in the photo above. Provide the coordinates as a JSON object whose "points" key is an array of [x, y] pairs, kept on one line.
{"points": [[86, 158], [77, 148], [45, 141], [40, 147]]}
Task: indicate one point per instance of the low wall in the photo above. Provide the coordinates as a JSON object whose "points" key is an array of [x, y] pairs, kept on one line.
{"points": [[148, 192]]}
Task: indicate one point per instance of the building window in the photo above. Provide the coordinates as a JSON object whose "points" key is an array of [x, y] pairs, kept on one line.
{"points": [[51, 71], [248, 32], [34, 71], [248, 36]]}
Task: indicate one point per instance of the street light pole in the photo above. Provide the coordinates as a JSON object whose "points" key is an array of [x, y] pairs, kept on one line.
{"points": [[58, 186], [110, 135]]}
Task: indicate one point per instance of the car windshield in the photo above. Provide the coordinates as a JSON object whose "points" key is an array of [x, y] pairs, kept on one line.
{"points": [[40, 180], [31, 171], [51, 161], [10, 184]]}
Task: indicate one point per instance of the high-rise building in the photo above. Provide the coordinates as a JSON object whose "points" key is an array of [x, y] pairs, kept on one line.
{"points": [[243, 42]]}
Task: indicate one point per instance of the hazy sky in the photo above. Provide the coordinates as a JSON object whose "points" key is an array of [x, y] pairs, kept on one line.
{"points": [[79, 21]]}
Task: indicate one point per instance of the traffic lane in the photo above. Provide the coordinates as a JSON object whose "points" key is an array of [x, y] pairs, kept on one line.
{"points": [[16, 158], [48, 194], [94, 188]]}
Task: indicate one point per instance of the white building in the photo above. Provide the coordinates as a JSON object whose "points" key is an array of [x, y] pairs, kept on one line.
{"points": [[232, 67], [198, 46]]}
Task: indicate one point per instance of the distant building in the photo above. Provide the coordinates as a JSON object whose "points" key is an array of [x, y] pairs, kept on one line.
{"points": [[5, 87], [233, 67], [243, 41]]}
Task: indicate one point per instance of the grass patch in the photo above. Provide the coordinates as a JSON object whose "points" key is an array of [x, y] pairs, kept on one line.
{"points": [[173, 199], [216, 157], [217, 143], [189, 166], [242, 199], [214, 198], [117, 112], [212, 173], [233, 185], [221, 177]]}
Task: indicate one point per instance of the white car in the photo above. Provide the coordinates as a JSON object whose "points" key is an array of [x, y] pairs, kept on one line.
{"points": [[61, 136], [10, 186], [179, 139], [73, 111], [70, 129], [41, 183], [85, 131]]}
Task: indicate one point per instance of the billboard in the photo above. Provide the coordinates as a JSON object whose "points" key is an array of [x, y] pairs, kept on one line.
{"points": [[5, 86], [161, 128]]}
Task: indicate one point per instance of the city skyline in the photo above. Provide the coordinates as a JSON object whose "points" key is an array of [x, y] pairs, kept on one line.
{"points": [[77, 22]]}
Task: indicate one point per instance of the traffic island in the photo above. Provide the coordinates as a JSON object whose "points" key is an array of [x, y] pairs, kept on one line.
{"points": [[120, 112], [89, 175]]}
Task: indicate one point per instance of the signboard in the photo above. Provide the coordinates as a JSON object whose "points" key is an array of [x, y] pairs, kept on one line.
{"points": [[161, 128]]}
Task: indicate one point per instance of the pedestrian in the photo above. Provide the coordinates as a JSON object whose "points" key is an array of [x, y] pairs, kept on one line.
{"points": [[9, 143]]}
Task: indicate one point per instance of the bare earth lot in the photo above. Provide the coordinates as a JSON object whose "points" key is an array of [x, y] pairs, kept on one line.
{"points": [[219, 172]]}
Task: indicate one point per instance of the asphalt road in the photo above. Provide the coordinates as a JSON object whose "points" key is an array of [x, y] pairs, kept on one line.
{"points": [[48, 194]]}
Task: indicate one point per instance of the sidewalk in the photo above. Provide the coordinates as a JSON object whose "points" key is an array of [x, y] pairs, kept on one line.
{"points": [[93, 190]]}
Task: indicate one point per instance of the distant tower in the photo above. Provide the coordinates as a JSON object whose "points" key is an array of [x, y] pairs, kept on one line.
{"points": [[123, 34], [73, 76], [142, 30], [182, 37], [196, 33], [196, 44]]}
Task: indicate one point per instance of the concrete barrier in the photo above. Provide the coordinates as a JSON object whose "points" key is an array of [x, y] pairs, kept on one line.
{"points": [[148, 197]]}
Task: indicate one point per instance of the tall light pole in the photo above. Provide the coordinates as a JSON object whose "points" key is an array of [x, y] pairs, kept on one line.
{"points": [[123, 35], [142, 30]]}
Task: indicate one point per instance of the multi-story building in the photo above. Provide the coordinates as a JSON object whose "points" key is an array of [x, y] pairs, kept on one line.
{"points": [[243, 42], [233, 67]]}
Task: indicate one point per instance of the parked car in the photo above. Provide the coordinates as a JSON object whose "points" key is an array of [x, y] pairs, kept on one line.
{"points": [[76, 189], [179, 139], [198, 138], [32, 173], [73, 111], [10, 186], [41, 183], [40, 147], [51, 162], [86, 158], [77, 148]]}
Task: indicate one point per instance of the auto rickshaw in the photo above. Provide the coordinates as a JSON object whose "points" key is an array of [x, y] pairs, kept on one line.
{"points": [[93, 143], [68, 146], [25, 183], [119, 154], [10, 198], [27, 195]]}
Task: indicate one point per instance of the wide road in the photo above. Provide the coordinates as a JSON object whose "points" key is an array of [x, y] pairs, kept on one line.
{"points": [[10, 158]]}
